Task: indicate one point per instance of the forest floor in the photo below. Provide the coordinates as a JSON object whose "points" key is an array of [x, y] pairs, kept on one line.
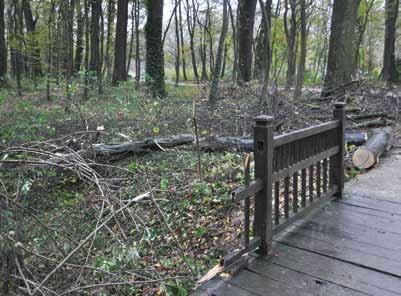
{"points": [[167, 239]]}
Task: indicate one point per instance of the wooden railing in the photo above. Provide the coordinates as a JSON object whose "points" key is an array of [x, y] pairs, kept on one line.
{"points": [[294, 173]]}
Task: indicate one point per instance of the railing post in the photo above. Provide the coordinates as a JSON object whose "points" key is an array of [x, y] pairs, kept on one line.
{"points": [[337, 162], [263, 150]]}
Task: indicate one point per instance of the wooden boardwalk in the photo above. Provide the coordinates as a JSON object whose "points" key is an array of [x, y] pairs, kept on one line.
{"points": [[350, 246]]}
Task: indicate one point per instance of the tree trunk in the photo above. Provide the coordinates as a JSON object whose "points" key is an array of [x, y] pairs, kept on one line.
{"points": [[191, 21], [32, 43], [263, 48], [120, 50], [246, 19], [341, 47], [67, 10], [291, 36], [18, 43], [235, 43], [302, 56], [214, 89], [49, 49], [111, 11], [96, 7], [131, 44], [389, 72], [177, 49], [3, 48], [87, 47], [223, 68], [79, 49], [154, 48], [361, 28], [137, 52], [184, 69]]}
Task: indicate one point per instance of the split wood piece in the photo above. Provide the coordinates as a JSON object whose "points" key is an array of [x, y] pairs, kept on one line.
{"points": [[368, 155]]}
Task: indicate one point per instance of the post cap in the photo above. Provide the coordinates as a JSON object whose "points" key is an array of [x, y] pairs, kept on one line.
{"points": [[264, 119], [339, 105]]}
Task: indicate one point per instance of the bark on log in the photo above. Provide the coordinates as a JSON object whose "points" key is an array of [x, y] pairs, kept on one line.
{"points": [[372, 123], [357, 139], [368, 155], [214, 144], [146, 145]]}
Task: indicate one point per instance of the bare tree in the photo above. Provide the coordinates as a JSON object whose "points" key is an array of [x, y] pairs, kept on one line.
{"points": [[3, 49], [291, 36], [340, 61], [120, 50], [154, 48], [389, 72], [214, 89], [302, 55], [246, 20]]}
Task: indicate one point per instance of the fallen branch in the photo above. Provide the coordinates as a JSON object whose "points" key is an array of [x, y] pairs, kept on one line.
{"points": [[83, 243]]}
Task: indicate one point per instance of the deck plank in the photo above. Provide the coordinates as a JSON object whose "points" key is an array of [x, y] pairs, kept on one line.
{"points": [[374, 203], [344, 249], [341, 273], [261, 285], [300, 281], [220, 287]]}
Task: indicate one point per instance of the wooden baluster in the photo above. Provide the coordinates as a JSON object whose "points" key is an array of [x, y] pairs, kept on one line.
{"points": [[277, 203], [287, 197], [263, 151], [295, 192], [247, 165], [303, 186], [311, 183], [325, 175], [318, 179]]}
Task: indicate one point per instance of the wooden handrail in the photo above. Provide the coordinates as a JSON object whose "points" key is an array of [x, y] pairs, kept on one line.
{"points": [[245, 192], [306, 132]]}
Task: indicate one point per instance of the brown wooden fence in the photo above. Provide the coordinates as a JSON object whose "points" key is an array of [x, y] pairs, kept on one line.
{"points": [[294, 173]]}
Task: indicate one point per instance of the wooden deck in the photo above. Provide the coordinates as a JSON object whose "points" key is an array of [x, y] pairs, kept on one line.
{"points": [[347, 247]]}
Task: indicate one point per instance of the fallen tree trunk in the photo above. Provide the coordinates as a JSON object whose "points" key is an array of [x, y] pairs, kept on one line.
{"points": [[143, 146], [371, 123], [368, 115], [214, 144], [368, 155]]}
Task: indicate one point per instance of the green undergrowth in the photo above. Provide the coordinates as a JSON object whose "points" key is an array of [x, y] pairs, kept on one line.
{"points": [[119, 110]]}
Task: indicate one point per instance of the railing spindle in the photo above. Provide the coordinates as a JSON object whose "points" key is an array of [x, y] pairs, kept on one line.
{"points": [[287, 197], [318, 179], [277, 203], [247, 205], [303, 185], [295, 192], [325, 175], [311, 183]]}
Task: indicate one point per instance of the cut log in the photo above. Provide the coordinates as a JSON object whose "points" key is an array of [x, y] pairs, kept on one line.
{"points": [[368, 155]]}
